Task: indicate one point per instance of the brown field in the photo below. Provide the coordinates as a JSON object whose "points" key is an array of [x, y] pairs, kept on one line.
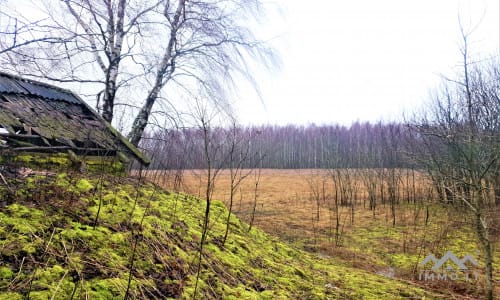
{"points": [[288, 201], [299, 206]]}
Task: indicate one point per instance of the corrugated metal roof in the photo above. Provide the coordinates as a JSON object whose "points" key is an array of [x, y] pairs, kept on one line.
{"points": [[8, 85], [14, 85]]}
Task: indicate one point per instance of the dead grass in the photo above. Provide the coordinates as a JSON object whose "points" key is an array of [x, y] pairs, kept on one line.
{"points": [[299, 206], [287, 200]]}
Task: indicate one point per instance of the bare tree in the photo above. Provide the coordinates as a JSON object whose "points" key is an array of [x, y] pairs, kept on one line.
{"points": [[141, 52], [238, 154], [19, 32], [369, 179], [257, 174], [461, 144], [214, 159]]}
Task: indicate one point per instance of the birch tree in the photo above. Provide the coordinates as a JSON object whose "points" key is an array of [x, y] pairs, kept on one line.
{"points": [[138, 54]]}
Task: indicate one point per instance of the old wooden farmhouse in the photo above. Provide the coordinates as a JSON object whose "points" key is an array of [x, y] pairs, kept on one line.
{"points": [[41, 118]]}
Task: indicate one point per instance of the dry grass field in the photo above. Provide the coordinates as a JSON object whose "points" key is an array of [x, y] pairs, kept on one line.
{"points": [[299, 206], [287, 201]]}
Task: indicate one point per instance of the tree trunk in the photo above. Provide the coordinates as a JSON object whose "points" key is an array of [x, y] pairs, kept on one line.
{"points": [[165, 69], [110, 92], [496, 186], [141, 121], [483, 233]]}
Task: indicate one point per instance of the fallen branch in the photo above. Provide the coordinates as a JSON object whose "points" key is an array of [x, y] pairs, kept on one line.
{"points": [[25, 172]]}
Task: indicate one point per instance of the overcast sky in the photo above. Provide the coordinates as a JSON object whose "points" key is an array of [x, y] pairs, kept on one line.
{"points": [[344, 61]]}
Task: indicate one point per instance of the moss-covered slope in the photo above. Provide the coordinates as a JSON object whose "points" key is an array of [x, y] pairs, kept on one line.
{"points": [[67, 237]]}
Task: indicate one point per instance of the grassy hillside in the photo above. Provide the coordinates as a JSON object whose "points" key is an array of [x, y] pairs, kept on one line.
{"points": [[95, 237], [299, 206]]}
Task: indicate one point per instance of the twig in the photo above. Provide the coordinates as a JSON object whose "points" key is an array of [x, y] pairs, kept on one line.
{"points": [[18, 273], [59, 284], [5, 182]]}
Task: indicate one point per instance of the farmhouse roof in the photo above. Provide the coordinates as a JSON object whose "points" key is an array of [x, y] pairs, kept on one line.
{"points": [[39, 117]]}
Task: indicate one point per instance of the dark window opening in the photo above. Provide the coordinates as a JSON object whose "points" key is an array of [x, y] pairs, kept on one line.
{"points": [[19, 129]]}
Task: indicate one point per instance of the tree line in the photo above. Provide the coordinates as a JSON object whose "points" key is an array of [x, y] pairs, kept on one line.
{"points": [[361, 145]]}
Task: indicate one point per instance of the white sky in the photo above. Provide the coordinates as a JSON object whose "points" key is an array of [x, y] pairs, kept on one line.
{"points": [[362, 59]]}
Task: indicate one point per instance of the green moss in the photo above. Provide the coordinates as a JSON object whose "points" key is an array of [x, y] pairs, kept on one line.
{"points": [[49, 275], [10, 296], [242, 292], [106, 165], [58, 160], [404, 261], [21, 219], [6, 273], [94, 261], [65, 161], [84, 186], [104, 289]]}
